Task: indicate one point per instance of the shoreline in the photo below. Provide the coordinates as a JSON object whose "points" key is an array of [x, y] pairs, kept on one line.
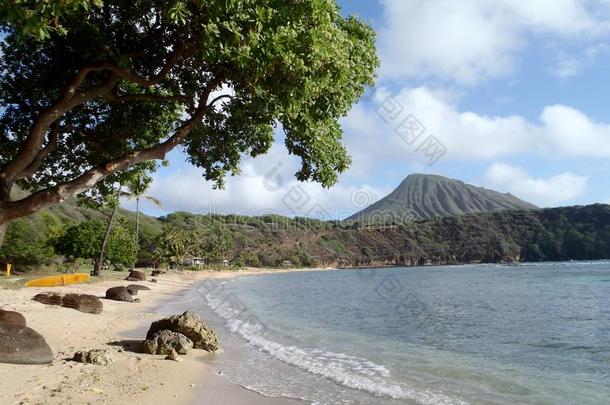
{"points": [[119, 328]]}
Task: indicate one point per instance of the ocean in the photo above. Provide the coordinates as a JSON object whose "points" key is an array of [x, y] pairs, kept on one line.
{"points": [[482, 334]]}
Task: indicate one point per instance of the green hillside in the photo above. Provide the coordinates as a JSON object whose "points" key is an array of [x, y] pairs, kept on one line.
{"points": [[570, 233]]}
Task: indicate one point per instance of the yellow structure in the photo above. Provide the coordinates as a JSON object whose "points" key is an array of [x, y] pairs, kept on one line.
{"points": [[8, 269], [54, 281]]}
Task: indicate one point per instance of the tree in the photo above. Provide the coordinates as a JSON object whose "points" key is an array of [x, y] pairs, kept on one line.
{"points": [[138, 187], [30, 241], [173, 245], [39, 19], [214, 243], [99, 263], [84, 241], [125, 82]]}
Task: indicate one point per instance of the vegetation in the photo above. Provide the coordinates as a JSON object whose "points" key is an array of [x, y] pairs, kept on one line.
{"points": [[571, 233], [97, 92], [84, 241]]}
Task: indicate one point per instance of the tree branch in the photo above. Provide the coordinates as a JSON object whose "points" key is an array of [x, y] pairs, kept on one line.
{"points": [[44, 152], [70, 99], [147, 97], [219, 98], [14, 209]]}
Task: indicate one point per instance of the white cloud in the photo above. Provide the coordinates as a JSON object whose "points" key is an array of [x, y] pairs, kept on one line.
{"points": [[560, 131], [266, 185], [543, 192], [473, 40], [567, 68]]}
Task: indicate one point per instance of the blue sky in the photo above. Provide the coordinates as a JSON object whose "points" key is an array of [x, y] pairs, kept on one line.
{"points": [[515, 92]]}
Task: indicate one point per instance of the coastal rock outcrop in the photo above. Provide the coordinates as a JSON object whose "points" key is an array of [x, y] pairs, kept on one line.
{"points": [[165, 342], [12, 317], [98, 357], [135, 275], [22, 345], [190, 325], [81, 302]]}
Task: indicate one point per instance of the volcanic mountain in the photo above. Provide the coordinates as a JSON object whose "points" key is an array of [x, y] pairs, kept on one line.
{"points": [[427, 196]]}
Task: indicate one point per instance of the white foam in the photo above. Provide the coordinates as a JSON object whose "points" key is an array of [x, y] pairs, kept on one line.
{"points": [[350, 371]]}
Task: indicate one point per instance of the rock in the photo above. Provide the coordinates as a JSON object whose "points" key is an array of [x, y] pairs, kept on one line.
{"points": [[156, 273], [98, 357], [134, 288], [119, 294], [173, 356], [22, 345], [135, 275], [12, 317], [49, 298], [190, 325], [154, 280], [81, 302], [165, 341], [84, 303]]}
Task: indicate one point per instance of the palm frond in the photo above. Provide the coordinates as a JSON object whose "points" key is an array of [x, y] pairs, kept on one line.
{"points": [[154, 200]]}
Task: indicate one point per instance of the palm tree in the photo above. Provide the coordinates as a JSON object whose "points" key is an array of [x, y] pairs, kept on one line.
{"points": [[137, 189]]}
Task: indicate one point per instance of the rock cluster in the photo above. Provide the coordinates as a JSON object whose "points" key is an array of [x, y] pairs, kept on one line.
{"points": [[98, 357], [165, 341], [190, 325], [80, 302], [178, 334]]}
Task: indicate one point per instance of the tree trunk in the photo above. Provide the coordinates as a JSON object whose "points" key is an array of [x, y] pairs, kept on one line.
{"points": [[137, 228], [138, 221], [3, 228], [5, 196], [99, 263]]}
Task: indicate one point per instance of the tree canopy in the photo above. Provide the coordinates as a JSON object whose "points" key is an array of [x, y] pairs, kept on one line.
{"points": [[109, 88], [84, 241]]}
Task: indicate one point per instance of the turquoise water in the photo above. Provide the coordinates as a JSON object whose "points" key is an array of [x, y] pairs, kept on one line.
{"points": [[529, 334]]}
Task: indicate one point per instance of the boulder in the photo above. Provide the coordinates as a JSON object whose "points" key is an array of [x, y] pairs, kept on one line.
{"points": [[119, 294], [138, 287], [98, 357], [156, 273], [12, 317], [22, 345], [165, 341], [190, 325], [135, 275], [49, 298], [81, 302], [84, 303], [134, 288]]}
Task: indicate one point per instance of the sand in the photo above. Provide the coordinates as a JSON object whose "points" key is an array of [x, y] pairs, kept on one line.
{"points": [[132, 377]]}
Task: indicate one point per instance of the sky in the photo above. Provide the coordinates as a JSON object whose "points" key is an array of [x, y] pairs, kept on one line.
{"points": [[511, 95]]}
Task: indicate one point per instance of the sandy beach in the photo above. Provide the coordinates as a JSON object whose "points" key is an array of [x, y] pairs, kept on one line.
{"points": [[119, 328]]}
